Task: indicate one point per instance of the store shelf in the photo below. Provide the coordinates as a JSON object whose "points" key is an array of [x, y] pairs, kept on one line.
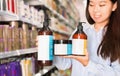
{"points": [[61, 32], [60, 17], [29, 22], [45, 70], [8, 16], [33, 2], [74, 15], [17, 52], [70, 4]]}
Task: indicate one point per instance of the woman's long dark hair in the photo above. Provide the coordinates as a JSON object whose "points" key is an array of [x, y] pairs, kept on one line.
{"points": [[110, 45]]}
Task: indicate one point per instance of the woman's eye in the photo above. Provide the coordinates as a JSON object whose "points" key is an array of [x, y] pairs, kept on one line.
{"points": [[102, 5], [91, 5]]}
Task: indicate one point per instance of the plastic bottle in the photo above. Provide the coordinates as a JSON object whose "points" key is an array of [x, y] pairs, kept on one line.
{"points": [[45, 44], [79, 41], [62, 47]]}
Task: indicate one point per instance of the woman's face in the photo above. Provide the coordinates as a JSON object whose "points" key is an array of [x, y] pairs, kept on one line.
{"points": [[100, 10]]}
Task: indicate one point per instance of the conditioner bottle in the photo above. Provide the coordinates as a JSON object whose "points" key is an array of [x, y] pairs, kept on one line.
{"points": [[79, 41], [45, 44]]}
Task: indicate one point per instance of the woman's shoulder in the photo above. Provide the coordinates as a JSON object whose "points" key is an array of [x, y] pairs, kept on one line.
{"points": [[87, 26]]}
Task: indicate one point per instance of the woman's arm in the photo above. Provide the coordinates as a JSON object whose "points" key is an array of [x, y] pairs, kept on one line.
{"points": [[97, 69], [93, 69]]}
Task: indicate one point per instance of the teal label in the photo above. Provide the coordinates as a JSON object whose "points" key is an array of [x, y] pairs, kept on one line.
{"points": [[69, 49], [51, 48]]}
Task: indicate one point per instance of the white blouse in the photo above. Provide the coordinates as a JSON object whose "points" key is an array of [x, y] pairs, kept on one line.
{"points": [[97, 66]]}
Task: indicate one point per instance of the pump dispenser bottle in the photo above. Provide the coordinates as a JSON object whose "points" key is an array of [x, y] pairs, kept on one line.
{"points": [[79, 41], [45, 44]]}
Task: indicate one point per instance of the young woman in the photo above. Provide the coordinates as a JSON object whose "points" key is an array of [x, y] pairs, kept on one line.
{"points": [[103, 56]]}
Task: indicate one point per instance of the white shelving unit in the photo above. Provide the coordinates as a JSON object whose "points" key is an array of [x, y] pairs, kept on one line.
{"points": [[17, 52], [44, 71], [60, 17], [7, 16]]}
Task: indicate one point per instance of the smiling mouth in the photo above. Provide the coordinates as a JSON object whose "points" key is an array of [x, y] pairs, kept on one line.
{"points": [[97, 16]]}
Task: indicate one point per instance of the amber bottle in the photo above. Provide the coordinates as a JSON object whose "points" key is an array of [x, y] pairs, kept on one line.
{"points": [[79, 41], [45, 44]]}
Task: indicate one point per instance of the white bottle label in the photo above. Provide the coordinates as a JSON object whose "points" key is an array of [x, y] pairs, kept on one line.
{"points": [[45, 47], [62, 49], [79, 46]]}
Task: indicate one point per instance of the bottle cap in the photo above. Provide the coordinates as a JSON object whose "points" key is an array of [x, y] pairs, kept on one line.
{"points": [[63, 41]]}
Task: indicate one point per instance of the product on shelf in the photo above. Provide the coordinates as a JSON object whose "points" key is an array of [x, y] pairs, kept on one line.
{"points": [[15, 35], [0, 5], [5, 37], [33, 36], [20, 67], [41, 17], [10, 39], [20, 38], [1, 38], [25, 35]]}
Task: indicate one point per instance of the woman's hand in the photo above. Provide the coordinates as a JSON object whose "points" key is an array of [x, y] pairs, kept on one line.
{"points": [[82, 59]]}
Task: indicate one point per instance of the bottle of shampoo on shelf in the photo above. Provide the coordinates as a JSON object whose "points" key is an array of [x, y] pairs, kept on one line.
{"points": [[45, 44], [79, 41]]}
